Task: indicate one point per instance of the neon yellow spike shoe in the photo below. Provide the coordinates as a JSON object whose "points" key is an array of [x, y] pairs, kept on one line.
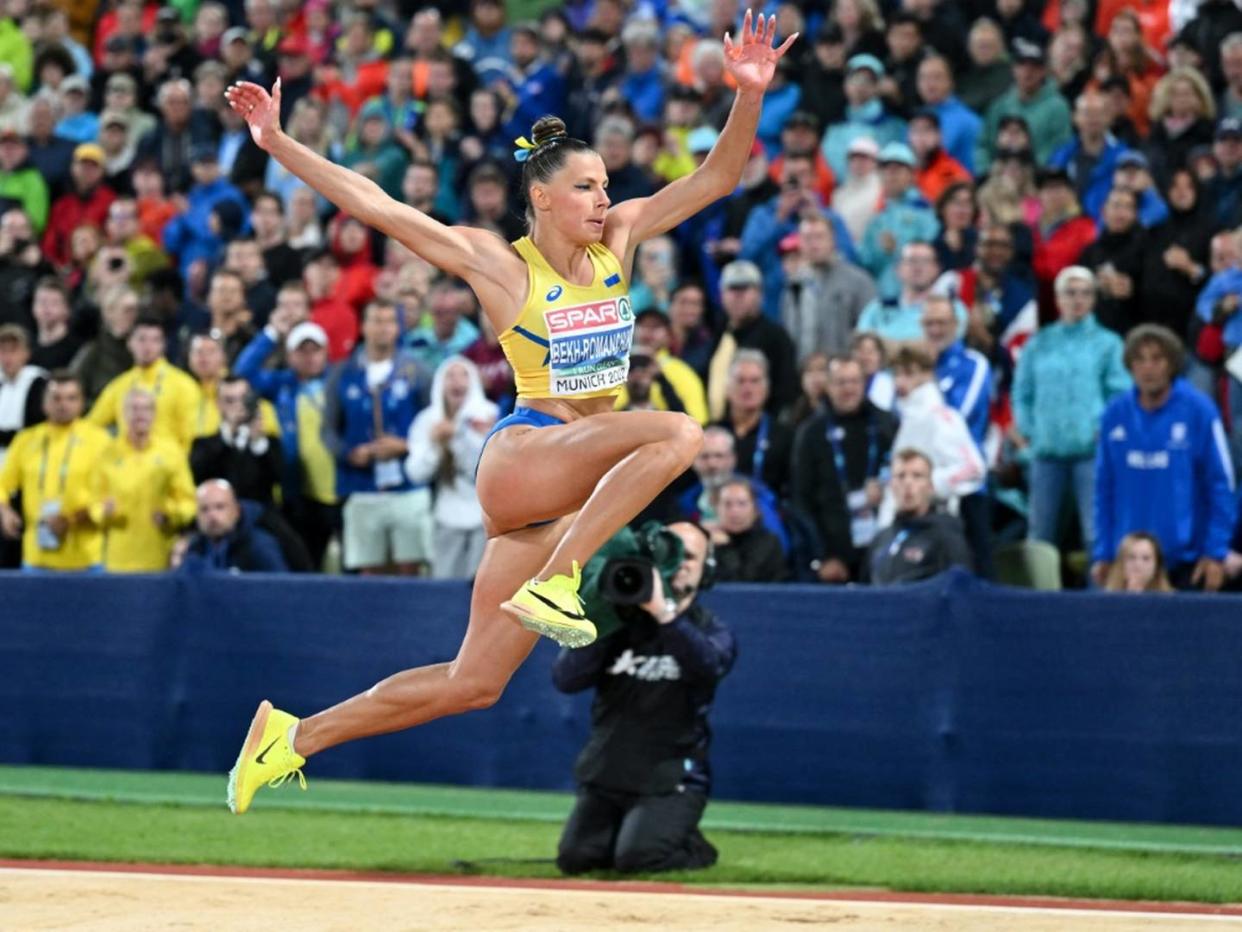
{"points": [[265, 758], [551, 607]]}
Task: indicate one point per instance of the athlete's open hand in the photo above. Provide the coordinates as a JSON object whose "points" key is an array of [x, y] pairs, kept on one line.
{"points": [[258, 108], [752, 62]]}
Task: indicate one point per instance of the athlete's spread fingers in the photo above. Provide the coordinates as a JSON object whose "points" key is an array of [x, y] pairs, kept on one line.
{"points": [[784, 47]]}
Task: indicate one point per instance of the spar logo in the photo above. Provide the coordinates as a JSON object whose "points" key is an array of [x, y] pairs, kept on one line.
{"points": [[586, 317]]}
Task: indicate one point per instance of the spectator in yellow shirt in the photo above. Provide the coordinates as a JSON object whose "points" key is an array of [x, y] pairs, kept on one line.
{"points": [[176, 393], [675, 385], [149, 495], [55, 466]]}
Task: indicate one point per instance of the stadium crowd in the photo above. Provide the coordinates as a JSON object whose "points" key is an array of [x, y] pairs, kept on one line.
{"points": [[981, 276]]}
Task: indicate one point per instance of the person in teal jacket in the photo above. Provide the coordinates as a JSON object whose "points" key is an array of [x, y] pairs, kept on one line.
{"points": [[374, 152], [905, 218], [1035, 98], [865, 114], [1066, 376]]}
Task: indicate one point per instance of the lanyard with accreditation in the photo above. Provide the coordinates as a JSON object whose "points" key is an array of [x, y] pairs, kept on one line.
{"points": [[862, 515]]}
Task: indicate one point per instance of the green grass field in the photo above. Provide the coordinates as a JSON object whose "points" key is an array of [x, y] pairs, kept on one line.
{"points": [[180, 818]]}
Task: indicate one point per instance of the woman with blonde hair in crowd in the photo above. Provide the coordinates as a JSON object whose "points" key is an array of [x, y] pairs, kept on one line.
{"points": [[1183, 116], [862, 27], [1139, 566]]}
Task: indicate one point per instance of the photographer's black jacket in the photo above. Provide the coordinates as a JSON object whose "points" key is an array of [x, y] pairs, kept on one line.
{"points": [[654, 687]]}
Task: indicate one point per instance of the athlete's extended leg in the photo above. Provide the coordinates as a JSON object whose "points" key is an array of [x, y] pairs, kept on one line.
{"points": [[493, 648]]}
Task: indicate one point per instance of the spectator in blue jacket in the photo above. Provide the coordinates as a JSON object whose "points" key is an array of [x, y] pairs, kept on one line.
{"points": [[770, 222], [959, 125], [1091, 156], [906, 217], [1067, 374], [190, 236], [642, 81], [227, 540], [1163, 466], [1133, 173], [865, 114], [1218, 303], [308, 480], [537, 87], [370, 402], [964, 375], [485, 46]]}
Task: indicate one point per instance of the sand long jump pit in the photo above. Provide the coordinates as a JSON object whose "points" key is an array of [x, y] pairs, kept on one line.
{"points": [[115, 898]]}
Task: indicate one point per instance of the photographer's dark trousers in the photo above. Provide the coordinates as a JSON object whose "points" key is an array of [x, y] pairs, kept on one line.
{"points": [[610, 830]]}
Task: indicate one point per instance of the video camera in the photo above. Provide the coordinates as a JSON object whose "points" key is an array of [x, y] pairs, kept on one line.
{"points": [[618, 578], [626, 580]]}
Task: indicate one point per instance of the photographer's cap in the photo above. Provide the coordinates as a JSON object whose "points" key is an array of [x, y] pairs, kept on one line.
{"points": [[304, 332], [741, 273]]}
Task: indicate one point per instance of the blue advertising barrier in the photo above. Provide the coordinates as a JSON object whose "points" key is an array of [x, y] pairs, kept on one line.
{"points": [[952, 695]]}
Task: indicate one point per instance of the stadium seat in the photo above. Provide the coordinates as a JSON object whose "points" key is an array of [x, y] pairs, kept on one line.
{"points": [[1031, 564]]}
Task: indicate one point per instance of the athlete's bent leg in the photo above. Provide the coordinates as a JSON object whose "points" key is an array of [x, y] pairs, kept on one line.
{"points": [[493, 648], [609, 465]]}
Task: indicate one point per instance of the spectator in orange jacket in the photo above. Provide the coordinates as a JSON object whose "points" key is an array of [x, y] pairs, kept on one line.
{"points": [[86, 203], [936, 168]]}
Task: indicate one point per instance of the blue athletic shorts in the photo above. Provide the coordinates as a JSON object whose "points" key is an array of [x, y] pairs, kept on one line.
{"points": [[520, 415]]}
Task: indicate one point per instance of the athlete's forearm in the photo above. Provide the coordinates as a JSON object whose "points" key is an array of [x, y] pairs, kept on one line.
{"points": [[732, 150], [351, 192]]}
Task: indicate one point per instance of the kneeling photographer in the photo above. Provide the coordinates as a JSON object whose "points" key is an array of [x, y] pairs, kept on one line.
{"points": [[644, 775]]}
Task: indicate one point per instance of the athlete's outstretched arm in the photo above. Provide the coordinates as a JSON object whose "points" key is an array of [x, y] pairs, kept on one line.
{"points": [[460, 251], [752, 62]]}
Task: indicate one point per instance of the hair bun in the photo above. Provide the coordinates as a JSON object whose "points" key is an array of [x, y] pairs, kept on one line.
{"points": [[547, 129]]}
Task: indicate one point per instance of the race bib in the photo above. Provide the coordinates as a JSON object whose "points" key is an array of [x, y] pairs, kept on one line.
{"points": [[589, 346]]}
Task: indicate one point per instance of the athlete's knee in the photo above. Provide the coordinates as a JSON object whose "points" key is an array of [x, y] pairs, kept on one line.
{"points": [[686, 437], [475, 693]]}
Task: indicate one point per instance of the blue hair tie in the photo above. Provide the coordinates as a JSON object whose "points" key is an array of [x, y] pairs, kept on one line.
{"points": [[524, 148]]}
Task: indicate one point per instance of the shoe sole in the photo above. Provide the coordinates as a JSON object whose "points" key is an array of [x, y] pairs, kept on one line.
{"points": [[257, 726], [563, 634]]}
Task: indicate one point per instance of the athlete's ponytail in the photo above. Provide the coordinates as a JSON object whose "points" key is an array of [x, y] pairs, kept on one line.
{"points": [[543, 155]]}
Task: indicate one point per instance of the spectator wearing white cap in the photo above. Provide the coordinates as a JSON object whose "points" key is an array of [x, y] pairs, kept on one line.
{"points": [[857, 196], [905, 218], [865, 114], [308, 478]]}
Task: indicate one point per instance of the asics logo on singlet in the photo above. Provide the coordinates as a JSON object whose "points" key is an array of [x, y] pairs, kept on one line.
{"points": [[553, 293], [650, 669]]}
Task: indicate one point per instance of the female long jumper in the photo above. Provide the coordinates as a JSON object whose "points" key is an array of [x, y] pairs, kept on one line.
{"points": [[564, 472]]}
